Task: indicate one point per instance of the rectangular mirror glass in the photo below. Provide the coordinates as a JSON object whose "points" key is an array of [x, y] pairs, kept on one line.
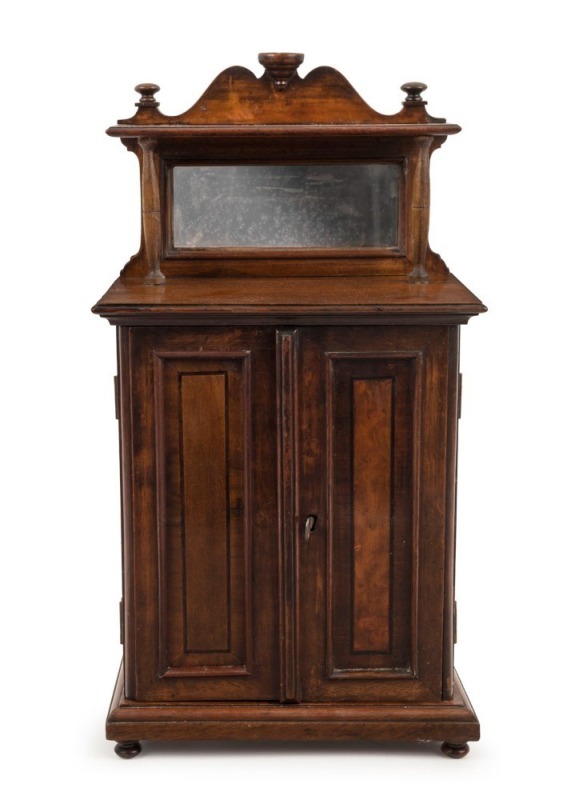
{"points": [[285, 206]]}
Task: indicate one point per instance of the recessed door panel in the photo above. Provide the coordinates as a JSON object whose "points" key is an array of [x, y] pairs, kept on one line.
{"points": [[205, 584], [370, 421]]}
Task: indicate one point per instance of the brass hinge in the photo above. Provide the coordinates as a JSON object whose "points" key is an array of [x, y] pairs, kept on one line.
{"points": [[122, 619], [459, 400], [454, 624], [117, 400]]}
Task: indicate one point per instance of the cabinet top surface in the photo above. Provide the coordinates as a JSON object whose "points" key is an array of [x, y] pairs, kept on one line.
{"points": [[376, 297]]}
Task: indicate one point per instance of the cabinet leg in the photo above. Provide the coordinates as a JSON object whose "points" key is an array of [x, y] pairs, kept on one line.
{"points": [[454, 750], [127, 749]]}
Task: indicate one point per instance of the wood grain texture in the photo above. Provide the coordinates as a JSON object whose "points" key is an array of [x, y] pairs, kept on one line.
{"points": [[244, 118], [451, 501], [206, 534], [452, 720], [287, 530], [196, 533], [330, 358], [308, 300], [151, 210], [323, 97], [288, 437], [372, 508], [202, 407], [419, 207]]}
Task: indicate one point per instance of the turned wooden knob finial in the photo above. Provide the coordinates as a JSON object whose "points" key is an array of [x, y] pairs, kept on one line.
{"points": [[147, 92], [281, 67], [414, 91]]}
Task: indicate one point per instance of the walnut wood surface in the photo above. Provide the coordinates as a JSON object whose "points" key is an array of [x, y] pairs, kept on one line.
{"points": [[323, 97], [288, 433], [282, 118], [306, 299], [455, 750], [200, 553], [452, 720], [287, 131], [331, 361], [371, 448]]}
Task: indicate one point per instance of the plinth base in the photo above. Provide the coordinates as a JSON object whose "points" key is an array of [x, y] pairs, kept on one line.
{"points": [[450, 721]]}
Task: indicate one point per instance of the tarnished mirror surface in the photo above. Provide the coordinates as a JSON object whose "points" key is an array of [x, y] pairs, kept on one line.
{"points": [[286, 206]]}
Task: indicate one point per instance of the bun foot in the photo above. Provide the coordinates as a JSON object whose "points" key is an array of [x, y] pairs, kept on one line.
{"points": [[453, 750], [127, 749]]}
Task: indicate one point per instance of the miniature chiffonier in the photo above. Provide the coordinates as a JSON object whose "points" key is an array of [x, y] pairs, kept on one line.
{"points": [[288, 395]]}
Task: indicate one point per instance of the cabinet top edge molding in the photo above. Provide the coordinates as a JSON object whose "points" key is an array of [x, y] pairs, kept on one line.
{"points": [[280, 101]]}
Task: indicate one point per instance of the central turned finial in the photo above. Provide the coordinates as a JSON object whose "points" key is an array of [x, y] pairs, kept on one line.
{"points": [[281, 67]]}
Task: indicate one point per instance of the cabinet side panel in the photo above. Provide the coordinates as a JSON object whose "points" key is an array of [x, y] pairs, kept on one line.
{"points": [[451, 461], [205, 518], [371, 502], [125, 447]]}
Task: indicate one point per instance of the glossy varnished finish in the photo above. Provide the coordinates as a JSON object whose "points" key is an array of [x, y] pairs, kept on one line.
{"points": [[281, 118], [237, 99], [455, 750], [437, 720], [401, 509], [315, 301], [202, 414], [288, 431], [128, 749]]}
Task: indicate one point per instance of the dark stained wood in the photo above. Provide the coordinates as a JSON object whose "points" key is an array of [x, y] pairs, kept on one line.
{"points": [[151, 209], [453, 410], [202, 491], [415, 360], [287, 528], [419, 208], [264, 118], [203, 533], [413, 91], [452, 720], [310, 300], [372, 434], [288, 435], [236, 96], [148, 92], [333, 130], [205, 497], [453, 750], [281, 67], [128, 749]]}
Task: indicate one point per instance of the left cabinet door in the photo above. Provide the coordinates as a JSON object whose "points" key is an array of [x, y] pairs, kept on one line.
{"points": [[198, 441]]}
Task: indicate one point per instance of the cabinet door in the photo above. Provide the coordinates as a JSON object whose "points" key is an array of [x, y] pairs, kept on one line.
{"points": [[200, 532], [375, 465]]}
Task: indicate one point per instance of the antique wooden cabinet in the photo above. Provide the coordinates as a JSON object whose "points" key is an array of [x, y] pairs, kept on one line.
{"points": [[288, 397]]}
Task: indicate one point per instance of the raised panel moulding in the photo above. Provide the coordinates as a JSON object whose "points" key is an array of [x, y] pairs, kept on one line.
{"points": [[204, 540]]}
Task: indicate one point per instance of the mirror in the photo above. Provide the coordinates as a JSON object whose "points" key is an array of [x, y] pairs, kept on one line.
{"points": [[286, 206]]}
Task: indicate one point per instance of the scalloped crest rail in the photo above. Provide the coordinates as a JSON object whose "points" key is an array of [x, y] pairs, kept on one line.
{"points": [[288, 408]]}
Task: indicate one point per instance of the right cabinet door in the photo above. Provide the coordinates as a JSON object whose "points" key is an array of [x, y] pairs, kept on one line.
{"points": [[376, 469]]}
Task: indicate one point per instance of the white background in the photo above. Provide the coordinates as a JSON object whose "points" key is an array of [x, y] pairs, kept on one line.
{"points": [[504, 217]]}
